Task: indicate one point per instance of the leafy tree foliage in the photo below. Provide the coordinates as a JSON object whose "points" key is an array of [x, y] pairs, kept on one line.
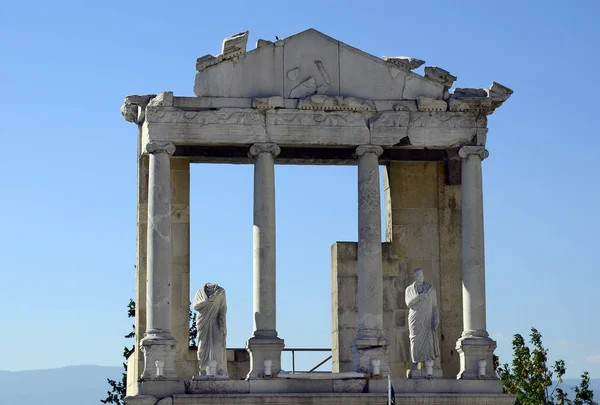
{"points": [[117, 394], [193, 330], [531, 379], [118, 388]]}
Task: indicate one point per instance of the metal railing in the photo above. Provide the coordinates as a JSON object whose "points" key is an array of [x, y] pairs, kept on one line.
{"points": [[312, 370]]}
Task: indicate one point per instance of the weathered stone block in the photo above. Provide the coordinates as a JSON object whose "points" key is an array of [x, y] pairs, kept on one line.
{"points": [[347, 318], [346, 250], [415, 216], [347, 267], [416, 241], [391, 268], [180, 187], [347, 292]]}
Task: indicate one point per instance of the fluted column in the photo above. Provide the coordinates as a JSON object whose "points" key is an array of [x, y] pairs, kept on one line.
{"points": [[370, 343], [264, 343], [474, 344], [158, 344]]}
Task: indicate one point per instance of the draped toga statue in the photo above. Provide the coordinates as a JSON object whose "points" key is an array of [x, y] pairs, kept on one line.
{"points": [[212, 329], [423, 321]]}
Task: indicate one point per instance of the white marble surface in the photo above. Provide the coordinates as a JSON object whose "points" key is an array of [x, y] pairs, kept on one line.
{"points": [[158, 344], [370, 343], [423, 322], [473, 255], [264, 237], [211, 322], [307, 63]]}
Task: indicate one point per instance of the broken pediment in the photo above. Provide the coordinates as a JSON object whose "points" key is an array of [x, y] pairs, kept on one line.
{"points": [[311, 63]]}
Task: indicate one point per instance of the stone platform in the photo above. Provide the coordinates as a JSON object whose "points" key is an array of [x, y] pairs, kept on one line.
{"points": [[346, 391], [342, 399], [328, 399]]}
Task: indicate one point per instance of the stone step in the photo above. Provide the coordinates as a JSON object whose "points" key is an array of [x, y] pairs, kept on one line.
{"points": [[342, 399]]}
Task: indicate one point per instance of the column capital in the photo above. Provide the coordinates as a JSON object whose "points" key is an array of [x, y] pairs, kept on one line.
{"points": [[155, 148], [466, 151], [362, 149], [259, 148]]}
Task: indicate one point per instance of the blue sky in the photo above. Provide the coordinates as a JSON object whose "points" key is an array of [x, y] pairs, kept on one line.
{"points": [[69, 167]]}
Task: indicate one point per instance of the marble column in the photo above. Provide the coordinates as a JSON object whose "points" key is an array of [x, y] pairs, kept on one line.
{"points": [[474, 343], [158, 345], [370, 343], [264, 343]]}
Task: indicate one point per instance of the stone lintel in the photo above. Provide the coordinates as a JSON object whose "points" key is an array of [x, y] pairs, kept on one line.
{"points": [[311, 128], [341, 156]]}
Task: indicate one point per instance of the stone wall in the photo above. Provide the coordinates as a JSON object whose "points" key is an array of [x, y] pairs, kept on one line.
{"points": [[136, 362], [344, 315], [180, 262], [423, 229]]}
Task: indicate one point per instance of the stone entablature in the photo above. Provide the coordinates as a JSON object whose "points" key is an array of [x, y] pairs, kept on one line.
{"points": [[332, 122], [310, 90]]}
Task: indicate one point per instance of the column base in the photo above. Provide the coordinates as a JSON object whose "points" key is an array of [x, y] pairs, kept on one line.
{"points": [[365, 350], [159, 357], [262, 349], [472, 350]]}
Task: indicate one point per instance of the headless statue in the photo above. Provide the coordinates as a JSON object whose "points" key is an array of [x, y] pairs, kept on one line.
{"points": [[212, 329], [423, 322]]}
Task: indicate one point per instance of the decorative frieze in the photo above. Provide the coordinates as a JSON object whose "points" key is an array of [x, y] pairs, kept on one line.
{"points": [[224, 116], [326, 103], [316, 118], [430, 104], [316, 127], [270, 121]]}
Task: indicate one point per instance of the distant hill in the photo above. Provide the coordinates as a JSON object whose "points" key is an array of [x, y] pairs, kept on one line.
{"points": [[569, 383], [74, 385]]}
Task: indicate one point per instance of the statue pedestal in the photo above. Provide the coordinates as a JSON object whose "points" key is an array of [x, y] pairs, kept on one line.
{"points": [[262, 349], [334, 389], [472, 350], [364, 351]]}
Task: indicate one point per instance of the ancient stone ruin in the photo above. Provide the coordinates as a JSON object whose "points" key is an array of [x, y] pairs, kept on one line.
{"points": [[310, 99]]}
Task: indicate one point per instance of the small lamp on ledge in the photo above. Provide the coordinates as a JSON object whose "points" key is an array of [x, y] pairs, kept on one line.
{"points": [[268, 364], [481, 364], [429, 368]]}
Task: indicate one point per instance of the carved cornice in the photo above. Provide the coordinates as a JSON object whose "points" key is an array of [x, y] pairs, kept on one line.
{"points": [[232, 47], [268, 103], [480, 151], [134, 106], [442, 76], [479, 100], [156, 148], [403, 62], [327, 103], [430, 104], [259, 148], [362, 149]]}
